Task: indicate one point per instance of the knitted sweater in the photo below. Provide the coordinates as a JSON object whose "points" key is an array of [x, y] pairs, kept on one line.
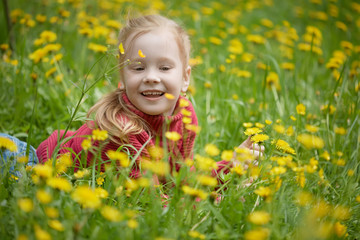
{"points": [[181, 149]]}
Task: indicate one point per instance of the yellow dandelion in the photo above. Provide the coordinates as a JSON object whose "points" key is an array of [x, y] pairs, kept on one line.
{"points": [[25, 204], [56, 224], [257, 234], [340, 229], [60, 184], [227, 155], [141, 54], [211, 150], [263, 191], [301, 109], [279, 128], [325, 155], [303, 198], [259, 217], [173, 136], [169, 96], [310, 141], [340, 130], [239, 170], [86, 144], [132, 223], [8, 144], [43, 171], [207, 180], [311, 128], [248, 124], [111, 214], [41, 234], [86, 197], [252, 131], [121, 49], [259, 138], [196, 234], [43, 196]]}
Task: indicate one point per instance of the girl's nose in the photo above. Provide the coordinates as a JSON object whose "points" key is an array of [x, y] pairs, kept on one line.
{"points": [[151, 77]]}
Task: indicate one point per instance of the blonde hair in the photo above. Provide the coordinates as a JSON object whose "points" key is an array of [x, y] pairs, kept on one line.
{"points": [[111, 112]]}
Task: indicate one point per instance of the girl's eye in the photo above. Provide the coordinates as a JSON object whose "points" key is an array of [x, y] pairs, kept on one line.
{"points": [[165, 68], [139, 68]]}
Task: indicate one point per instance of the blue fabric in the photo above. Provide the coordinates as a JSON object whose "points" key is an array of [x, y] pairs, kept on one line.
{"points": [[6, 155]]}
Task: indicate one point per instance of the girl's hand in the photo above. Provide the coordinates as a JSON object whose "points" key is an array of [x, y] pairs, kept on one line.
{"points": [[256, 150]]}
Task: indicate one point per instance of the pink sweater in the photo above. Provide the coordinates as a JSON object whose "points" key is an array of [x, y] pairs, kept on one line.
{"points": [[182, 149]]}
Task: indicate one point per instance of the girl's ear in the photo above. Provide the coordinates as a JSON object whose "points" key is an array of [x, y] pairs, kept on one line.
{"points": [[186, 82]]}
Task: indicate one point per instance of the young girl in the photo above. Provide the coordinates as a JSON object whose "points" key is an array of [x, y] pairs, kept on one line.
{"points": [[149, 102]]}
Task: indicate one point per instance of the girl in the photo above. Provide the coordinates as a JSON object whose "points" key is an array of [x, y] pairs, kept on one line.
{"points": [[149, 103]]}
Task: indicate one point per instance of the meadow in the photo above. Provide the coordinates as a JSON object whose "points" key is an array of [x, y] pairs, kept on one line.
{"points": [[284, 72]]}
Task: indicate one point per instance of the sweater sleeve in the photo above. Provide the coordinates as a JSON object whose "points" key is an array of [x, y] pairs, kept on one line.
{"points": [[46, 149]]}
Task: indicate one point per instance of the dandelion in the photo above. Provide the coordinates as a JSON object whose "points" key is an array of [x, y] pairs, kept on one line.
{"points": [[325, 155], [60, 184], [141, 54], [239, 170], [23, 159], [257, 234], [301, 109], [311, 128], [252, 131], [207, 180], [173, 136], [196, 234], [156, 152], [86, 197], [340, 130], [248, 124], [56, 224], [100, 181], [272, 80], [99, 135], [44, 171], [195, 192], [43, 196], [97, 47], [341, 213], [194, 128], [340, 229], [310, 141], [8, 144], [81, 173], [25, 204], [86, 144], [268, 122], [211, 150], [303, 198], [259, 138], [183, 103], [259, 217], [169, 96], [159, 168], [41, 234], [227, 155], [132, 223], [111, 214], [263, 191], [215, 40]]}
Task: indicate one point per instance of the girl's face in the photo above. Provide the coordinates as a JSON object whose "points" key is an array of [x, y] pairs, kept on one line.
{"points": [[147, 79]]}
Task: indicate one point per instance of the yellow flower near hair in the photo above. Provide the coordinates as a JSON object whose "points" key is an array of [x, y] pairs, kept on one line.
{"points": [[183, 103], [23, 159], [227, 155], [121, 49], [194, 128], [25, 204], [259, 217], [99, 135], [141, 54], [111, 214], [173, 136], [86, 144], [8, 144], [86, 197], [43, 171], [239, 170]]}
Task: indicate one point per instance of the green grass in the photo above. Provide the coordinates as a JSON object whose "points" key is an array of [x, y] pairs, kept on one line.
{"points": [[32, 108]]}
